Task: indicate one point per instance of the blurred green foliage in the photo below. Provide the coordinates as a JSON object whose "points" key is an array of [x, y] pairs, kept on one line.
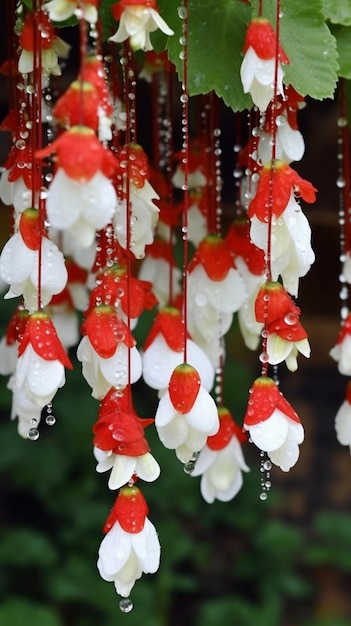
{"points": [[223, 563]]}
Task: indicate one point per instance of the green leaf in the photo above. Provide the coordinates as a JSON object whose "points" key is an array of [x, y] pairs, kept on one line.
{"points": [[216, 36], [343, 40], [309, 45], [337, 11], [25, 547]]}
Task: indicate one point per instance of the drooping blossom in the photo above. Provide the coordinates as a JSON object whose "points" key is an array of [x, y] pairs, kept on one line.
{"points": [[289, 142], [159, 268], [19, 262], [16, 182], [258, 67], [343, 419], [291, 251], [130, 546], [52, 47], [186, 414], [163, 351], [215, 291], [221, 461], [81, 198], [341, 351], [273, 425], [61, 10], [130, 296], [286, 337], [137, 19], [40, 369], [10, 342], [249, 259], [105, 350], [119, 441]]}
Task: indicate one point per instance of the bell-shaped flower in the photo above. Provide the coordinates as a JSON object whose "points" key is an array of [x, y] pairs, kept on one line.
{"points": [[249, 259], [341, 352], [257, 70], [9, 343], [40, 369], [215, 291], [186, 414], [129, 295], [143, 219], [291, 252], [24, 409], [107, 351], [163, 350], [159, 268], [16, 182], [81, 198], [195, 168], [136, 21], [62, 10], [343, 419], [273, 425], [221, 461], [51, 46], [130, 546], [120, 444], [19, 263], [286, 337]]}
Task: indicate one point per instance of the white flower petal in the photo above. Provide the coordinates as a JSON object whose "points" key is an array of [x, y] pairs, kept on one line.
{"points": [[271, 433], [343, 424], [147, 467], [122, 470], [203, 416]]}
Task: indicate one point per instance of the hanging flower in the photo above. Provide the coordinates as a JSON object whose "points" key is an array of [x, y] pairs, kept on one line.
{"points": [[120, 443], [81, 198], [291, 252], [341, 352], [19, 262], [159, 268], [215, 291], [51, 46], [164, 348], [9, 343], [186, 414], [40, 370], [130, 546], [343, 419], [221, 462], [16, 182], [61, 10], [273, 425], [258, 67], [286, 337], [104, 349], [137, 19]]}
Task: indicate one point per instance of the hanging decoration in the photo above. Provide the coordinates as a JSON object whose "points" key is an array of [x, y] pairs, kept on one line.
{"points": [[105, 228]]}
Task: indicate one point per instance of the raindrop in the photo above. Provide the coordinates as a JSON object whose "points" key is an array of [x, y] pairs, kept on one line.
{"points": [[182, 12], [33, 434], [340, 182], [281, 120], [50, 420], [290, 319], [267, 465], [189, 467], [264, 357], [184, 98], [263, 496], [126, 605]]}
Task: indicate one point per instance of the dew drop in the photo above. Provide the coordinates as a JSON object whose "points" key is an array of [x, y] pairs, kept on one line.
{"points": [[340, 182], [33, 434], [182, 12], [267, 465], [126, 605], [263, 496], [50, 420]]}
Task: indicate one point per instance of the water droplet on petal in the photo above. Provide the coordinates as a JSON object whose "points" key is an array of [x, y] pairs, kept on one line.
{"points": [[126, 605], [33, 434]]}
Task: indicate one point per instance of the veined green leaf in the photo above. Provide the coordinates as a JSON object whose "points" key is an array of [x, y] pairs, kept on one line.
{"points": [[338, 11], [343, 40]]}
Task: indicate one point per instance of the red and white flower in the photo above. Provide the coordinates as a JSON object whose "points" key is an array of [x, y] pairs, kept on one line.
{"points": [[52, 47], [158, 267], [341, 352], [291, 252], [19, 263], [163, 350], [105, 351], [137, 19], [16, 182], [61, 10], [286, 337], [273, 425], [343, 420], [221, 461], [257, 70], [215, 291], [81, 198], [186, 414], [120, 444], [130, 546]]}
